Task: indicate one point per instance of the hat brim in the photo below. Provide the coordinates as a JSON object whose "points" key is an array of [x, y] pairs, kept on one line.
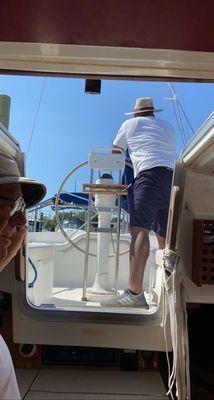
{"points": [[142, 111], [32, 191]]}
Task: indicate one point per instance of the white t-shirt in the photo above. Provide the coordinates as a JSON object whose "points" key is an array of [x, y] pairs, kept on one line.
{"points": [[151, 143], [8, 384]]}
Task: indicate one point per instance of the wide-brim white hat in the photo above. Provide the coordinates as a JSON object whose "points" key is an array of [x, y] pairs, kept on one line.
{"points": [[144, 104], [32, 191]]}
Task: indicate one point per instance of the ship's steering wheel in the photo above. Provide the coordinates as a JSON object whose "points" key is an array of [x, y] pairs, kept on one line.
{"points": [[59, 223]]}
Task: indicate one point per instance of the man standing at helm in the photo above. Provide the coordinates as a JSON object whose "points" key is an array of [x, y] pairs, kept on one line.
{"points": [[152, 149], [16, 194]]}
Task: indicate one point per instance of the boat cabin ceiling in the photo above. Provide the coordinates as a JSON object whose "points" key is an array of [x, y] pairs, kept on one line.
{"points": [[122, 23], [141, 40]]}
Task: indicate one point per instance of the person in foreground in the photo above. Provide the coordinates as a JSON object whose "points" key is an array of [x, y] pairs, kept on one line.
{"points": [[151, 145], [16, 194]]}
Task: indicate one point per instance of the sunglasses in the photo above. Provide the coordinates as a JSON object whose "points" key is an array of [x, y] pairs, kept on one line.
{"points": [[16, 205]]}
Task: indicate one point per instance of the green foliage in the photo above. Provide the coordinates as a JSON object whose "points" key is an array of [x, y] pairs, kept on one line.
{"points": [[94, 217], [81, 215], [66, 215], [49, 224]]}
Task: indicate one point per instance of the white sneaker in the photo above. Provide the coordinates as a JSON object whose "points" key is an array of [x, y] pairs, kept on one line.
{"points": [[127, 299]]}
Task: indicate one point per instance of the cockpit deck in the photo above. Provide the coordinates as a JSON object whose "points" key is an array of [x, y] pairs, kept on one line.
{"points": [[55, 275]]}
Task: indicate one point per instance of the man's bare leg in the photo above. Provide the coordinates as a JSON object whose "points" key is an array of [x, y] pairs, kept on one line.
{"points": [[139, 252], [161, 241]]}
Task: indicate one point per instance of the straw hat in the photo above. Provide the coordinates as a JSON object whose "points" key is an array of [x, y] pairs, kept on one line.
{"points": [[32, 191], [143, 105]]}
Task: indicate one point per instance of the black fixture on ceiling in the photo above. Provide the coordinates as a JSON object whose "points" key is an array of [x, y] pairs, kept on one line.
{"points": [[93, 86]]}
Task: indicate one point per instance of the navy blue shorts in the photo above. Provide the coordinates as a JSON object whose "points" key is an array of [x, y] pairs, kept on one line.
{"points": [[149, 197]]}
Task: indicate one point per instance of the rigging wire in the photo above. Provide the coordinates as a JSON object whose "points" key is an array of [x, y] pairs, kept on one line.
{"points": [[178, 123], [171, 87], [181, 123], [180, 119], [36, 116], [184, 107]]}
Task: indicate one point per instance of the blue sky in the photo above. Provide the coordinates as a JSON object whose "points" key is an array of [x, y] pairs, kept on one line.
{"points": [[70, 122]]}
